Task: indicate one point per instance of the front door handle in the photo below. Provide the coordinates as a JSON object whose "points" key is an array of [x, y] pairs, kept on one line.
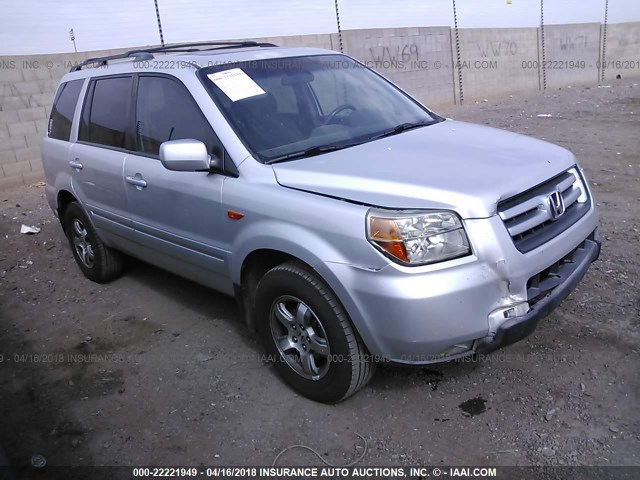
{"points": [[75, 164], [138, 182]]}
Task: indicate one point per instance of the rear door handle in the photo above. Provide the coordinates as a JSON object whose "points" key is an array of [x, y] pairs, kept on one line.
{"points": [[75, 164], [138, 182]]}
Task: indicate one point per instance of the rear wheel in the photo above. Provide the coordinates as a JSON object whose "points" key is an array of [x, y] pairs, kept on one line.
{"points": [[97, 261], [308, 335]]}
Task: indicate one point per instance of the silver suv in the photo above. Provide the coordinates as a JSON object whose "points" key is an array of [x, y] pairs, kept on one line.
{"points": [[352, 224]]}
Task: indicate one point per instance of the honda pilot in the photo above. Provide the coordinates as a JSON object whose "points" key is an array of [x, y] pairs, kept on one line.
{"points": [[353, 224]]}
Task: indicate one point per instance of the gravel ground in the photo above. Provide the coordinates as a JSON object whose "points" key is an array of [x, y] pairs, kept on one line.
{"points": [[153, 369]]}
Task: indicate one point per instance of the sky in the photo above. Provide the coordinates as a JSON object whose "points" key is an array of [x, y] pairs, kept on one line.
{"points": [[42, 26]]}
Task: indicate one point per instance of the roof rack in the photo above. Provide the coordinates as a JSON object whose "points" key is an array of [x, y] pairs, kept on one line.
{"points": [[147, 53]]}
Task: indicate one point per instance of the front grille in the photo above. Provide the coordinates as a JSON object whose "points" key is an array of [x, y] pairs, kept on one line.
{"points": [[529, 216]]}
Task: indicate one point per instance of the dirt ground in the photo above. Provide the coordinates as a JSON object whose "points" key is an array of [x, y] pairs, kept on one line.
{"points": [[153, 369]]}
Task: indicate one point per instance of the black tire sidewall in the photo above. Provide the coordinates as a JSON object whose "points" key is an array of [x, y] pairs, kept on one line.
{"points": [[335, 384]]}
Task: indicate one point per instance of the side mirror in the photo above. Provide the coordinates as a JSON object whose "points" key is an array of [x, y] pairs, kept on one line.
{"points": [[188, 156]]}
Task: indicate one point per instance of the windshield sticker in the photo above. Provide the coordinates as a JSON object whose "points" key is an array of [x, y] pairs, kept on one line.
{"points": [[236, 84]]}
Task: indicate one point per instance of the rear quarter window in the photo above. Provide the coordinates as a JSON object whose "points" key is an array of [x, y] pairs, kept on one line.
{"points": [[64, 107]]}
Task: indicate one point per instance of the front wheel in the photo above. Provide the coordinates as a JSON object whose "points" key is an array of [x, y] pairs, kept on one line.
{"points": [[308, 335]]}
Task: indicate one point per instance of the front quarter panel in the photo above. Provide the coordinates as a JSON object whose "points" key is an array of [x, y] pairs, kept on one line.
{"points": [[311, 227]]}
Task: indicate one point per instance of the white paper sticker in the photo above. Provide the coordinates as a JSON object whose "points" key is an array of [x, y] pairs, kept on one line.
{"points": [[236, 84]]}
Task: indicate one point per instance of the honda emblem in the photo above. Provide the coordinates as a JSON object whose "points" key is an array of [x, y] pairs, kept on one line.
{"points": [[556, 205]]}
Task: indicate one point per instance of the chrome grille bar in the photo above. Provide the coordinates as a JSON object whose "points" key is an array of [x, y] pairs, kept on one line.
{"points": [[533, 218]]}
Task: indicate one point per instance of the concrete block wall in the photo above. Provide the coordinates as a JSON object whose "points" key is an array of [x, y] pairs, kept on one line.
{"points": [[27, 87], [25, 97], [318, 41], [416, 59], [572, 54], [622, 50], [491, 61], [421, 60]]}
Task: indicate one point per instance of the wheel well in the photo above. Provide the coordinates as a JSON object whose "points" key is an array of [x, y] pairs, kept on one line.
{"points": [[253, 268], [64, 199]]}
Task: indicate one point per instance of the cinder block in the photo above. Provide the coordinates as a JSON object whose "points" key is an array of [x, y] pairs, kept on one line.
{"points": [[13, 103], [58, 73], [7, 156], [27, 154], [41, 126], [36, 163], [33, 113], [321, 41], [34, 140], [41, 100], [28, 88], [37, 73], [22, 128], [48, 86], [6, 90], [32, 177], [4, 132], [8, 116], [15, 169], [12, 143], [7, 183], [10, 75]]}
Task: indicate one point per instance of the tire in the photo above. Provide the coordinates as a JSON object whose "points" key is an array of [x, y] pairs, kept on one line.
{"points": [[329, 362], [97, 261]]}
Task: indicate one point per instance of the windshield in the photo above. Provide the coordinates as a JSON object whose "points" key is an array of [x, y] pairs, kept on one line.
{"points": [[289, 108]]}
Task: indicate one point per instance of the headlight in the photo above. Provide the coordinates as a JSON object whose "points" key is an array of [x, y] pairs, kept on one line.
{"points": [[418, 238]]}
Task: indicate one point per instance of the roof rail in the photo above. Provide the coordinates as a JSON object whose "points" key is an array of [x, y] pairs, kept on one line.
{"points": [[147, 53]]}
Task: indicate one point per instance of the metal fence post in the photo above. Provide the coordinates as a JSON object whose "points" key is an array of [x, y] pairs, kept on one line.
{"points": [[159, 23], [339, 29], [458, 62]]}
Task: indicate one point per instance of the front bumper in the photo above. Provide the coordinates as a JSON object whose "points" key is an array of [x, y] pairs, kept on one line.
{"points": [[570, 274], [436, 313]]}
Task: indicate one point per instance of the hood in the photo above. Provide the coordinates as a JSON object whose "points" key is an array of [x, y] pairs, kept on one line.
{"points": [[450, 165]]}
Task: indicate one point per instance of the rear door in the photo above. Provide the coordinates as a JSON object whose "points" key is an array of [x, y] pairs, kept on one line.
{"points": [[177, 214], [55, 148], [98, 157]]}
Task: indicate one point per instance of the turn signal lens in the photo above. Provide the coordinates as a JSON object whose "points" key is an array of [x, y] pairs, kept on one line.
{"points": [[418, 238], [384, 230], [386, 234]]}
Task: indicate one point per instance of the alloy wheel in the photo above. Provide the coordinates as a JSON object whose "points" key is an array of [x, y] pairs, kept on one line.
{"points": [[300, 337], [82, 244]]}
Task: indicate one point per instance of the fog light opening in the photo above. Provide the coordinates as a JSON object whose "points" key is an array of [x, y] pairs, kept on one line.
{"points": [[516, 311], [457, 349], [501, 315]]}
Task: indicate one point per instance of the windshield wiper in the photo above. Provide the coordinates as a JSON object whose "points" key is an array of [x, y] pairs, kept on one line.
{"points": [[403, 127], [311, 152]]}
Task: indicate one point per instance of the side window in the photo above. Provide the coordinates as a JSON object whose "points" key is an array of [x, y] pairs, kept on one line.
{"points": [[105, 114], [166, 111], [63, 109]]}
